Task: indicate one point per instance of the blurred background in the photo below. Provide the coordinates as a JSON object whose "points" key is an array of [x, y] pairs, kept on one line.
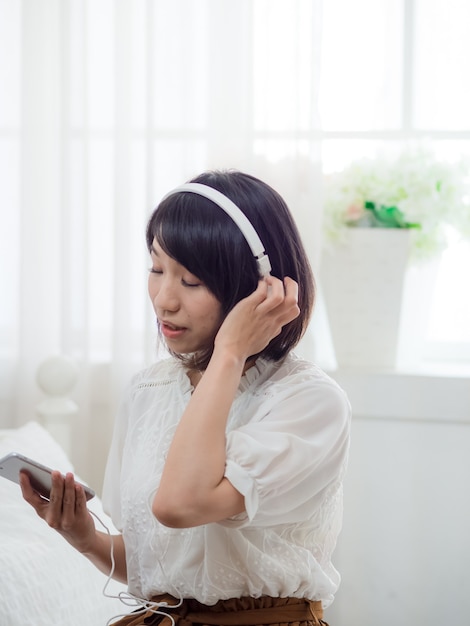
{"points": [[107, 104]]}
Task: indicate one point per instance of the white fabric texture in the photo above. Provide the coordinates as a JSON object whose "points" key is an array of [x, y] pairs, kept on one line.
{"points": [[287, 446], [43, 579]]}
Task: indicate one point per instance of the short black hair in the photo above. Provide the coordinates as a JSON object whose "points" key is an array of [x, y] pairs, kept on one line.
{"points": [[199, 235]]}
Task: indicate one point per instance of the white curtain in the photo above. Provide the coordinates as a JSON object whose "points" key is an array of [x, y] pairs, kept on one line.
{"points": [[104, 106]]}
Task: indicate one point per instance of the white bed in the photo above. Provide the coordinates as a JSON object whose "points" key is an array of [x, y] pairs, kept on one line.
{"points": [[43, 580]]}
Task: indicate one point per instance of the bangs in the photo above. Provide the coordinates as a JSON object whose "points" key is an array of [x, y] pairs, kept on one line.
{"points": [[205, 240]]}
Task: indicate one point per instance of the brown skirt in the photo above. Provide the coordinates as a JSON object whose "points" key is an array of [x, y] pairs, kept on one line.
{"points": [[234, 612]]}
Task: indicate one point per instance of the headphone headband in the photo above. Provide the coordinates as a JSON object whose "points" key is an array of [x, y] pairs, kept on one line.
{"points": [[240, 219]]}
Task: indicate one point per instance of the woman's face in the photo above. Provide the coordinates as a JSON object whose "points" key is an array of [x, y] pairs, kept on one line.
{"points": [[189, 315]]}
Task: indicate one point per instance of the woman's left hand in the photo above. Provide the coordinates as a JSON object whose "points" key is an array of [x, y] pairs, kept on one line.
{"points": [[260, 317]]}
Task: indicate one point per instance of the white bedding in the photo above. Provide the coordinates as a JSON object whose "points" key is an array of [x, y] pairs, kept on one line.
{"points": [[43, 580]]}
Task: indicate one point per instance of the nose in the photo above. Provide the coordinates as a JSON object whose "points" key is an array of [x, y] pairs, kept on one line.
{"points": [[165, 296]]}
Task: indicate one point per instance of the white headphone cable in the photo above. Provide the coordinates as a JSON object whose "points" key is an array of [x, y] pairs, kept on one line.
{"points": [[130, 599]]}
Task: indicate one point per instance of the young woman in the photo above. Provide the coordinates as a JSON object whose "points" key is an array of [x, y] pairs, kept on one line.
{"points": [[226, 465]]}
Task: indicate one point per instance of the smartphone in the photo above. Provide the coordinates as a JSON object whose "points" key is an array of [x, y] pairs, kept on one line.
{"points": [[39, 475]]}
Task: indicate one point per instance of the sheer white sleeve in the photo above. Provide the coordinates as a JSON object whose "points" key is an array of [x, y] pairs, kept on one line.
{"points": [[285, 459]]}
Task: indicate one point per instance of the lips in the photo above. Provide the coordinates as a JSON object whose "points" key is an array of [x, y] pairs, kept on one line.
{"points": [[171, 331], [171, 326]]}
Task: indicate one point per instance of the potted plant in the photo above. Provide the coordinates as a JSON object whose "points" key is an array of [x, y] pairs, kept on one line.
{"points": [[379, 214], [412, 190]]}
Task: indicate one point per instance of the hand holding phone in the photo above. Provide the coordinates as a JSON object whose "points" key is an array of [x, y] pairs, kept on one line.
{"points": [[39, 475]]}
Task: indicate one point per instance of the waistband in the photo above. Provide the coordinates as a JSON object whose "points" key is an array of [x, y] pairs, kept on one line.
{"points": [[233, 612]]}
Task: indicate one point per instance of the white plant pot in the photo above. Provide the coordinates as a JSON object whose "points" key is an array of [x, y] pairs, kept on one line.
{"points": [[363, 278]]}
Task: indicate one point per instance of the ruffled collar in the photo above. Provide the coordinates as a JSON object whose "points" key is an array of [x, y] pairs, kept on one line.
{"points": [[252, 374]]}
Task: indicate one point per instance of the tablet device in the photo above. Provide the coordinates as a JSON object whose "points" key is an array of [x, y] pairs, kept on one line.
{"points": [[39, 475]]}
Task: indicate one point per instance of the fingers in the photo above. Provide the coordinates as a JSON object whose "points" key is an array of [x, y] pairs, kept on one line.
{"points": [[63, 501], [292, 297], [31, 496], [280, 297], [54, 511], [66, 511], [66, 500], [276, 306], [260, 317], [69, 501]]}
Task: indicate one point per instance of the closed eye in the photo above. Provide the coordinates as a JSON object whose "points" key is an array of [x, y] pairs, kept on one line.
{"points": [[188, 283]]}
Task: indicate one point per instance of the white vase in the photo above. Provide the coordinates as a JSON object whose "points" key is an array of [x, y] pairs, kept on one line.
{"points": [[418, 297], [362, 278]]}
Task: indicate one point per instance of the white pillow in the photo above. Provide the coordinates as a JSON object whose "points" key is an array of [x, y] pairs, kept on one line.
{"points": [[44, 581]]}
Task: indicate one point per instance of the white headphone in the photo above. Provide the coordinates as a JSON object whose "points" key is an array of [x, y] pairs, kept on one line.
{"points": [[240, 219]]}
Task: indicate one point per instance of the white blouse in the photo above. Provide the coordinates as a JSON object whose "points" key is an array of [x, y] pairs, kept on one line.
{"points": [[287, 446]]}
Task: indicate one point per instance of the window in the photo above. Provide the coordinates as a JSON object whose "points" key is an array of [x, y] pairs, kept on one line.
{"points": [[108, 104], [395, 75]]}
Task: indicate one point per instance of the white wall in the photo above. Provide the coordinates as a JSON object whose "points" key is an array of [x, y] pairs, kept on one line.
{"points": [[404, 552]]}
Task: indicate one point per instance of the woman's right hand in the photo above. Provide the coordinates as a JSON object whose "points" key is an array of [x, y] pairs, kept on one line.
{"points": [[66, 511]]}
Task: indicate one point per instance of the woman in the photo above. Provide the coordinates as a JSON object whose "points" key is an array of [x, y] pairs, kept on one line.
{"points": [[225, 470]]}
